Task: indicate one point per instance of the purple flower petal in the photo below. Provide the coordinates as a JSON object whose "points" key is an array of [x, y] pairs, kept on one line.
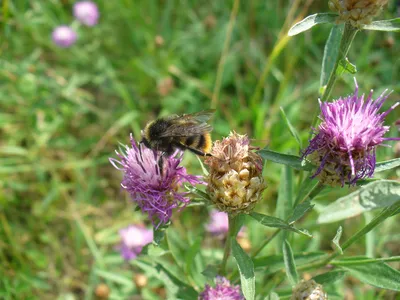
{"points": [[133, 239], [222, 290], [86, 12], [63, 36]]}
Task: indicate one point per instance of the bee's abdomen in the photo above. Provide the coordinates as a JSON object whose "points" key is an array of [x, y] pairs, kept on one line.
{"points": [[200, 142]]}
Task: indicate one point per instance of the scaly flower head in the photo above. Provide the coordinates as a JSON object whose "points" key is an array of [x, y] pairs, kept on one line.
{"points": [[308, 290], [64, 36], [155, 192], [357, 12], [133, 239], [235, 181], [86, 12], [345, 142], [223, 290]]}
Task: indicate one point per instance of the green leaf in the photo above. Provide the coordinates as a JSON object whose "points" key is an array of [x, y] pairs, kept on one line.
{"points": [[292, 130], [198, 193], [374, 195], [284, 205], [345, 66], [159, 233], [246, 269], [331, 52], [378, 274], [300, 210], [190, 256], [290, 264], [274, 263], [272, 296], [115, 277], [290, 160], [311, 21], [336, 239], [211, 271], [270, 221], [384, 25], [387, 165], [329, 277]]}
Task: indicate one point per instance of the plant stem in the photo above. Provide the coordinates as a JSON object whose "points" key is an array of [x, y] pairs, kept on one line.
{"points": [[228, 243], [347, 38]]}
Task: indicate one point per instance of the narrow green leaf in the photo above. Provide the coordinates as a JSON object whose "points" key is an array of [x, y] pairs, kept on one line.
{"points": [[336, 239], [274, 263], [211, 271], [190, 258], [345, 66], [384, 25], [291, 160], [198, 192], [311, 21], [387, 165], [331, 51], [300, 210], [378, 274], [306, 188], [329, 277], [292, 130], [159, 233], [115, 277], [246, 270], [374, 195], [272, 296], [290, 264], [270, 221], [284, 203]]}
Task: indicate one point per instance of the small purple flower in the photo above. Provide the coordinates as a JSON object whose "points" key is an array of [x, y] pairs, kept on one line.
{"points": [[345, 142], [219, 224], [223, 290], [63, 36], [155, 193], [133, 239], [86, 12]]}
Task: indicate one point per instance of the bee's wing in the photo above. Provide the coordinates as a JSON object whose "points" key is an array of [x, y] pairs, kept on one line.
{"points": [[200, 117], [186, 129]]}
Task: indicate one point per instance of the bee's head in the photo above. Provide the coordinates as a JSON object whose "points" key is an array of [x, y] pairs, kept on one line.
{"points": [[144, 140]]}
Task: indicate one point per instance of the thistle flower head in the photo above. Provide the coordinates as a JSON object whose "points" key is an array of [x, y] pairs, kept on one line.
{"points": [[155, 192], [64, 36], [345, 142], [308, 290], [133, 239], [219, 224], [357, 12], [86, 12], [223, 290], [235, 181]]}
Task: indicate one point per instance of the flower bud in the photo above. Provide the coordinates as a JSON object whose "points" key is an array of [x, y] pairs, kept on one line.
{"points": [[235, 181], [357, 12], [308, 290]]}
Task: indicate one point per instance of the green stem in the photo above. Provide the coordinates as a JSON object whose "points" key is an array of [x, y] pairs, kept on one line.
{"points": [[383, 215], [347, 38], [228, 243], [311, 195]]}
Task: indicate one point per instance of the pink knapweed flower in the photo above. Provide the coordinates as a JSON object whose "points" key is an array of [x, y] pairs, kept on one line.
{"points": [[86, 12], [219, 224], [345, 142], [64, 36], [223, 290], [155, 192], [133, 239]]}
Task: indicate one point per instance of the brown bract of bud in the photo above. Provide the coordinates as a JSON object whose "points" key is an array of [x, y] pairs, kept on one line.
{"points": [[357, 12], [102, 291], [235, 181], [308, 290]]}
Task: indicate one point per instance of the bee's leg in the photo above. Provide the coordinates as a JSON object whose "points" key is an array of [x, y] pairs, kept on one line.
{"points": [[161, 162], [194, 150]]}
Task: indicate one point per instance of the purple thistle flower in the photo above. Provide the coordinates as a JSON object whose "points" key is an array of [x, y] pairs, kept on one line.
{"points": [[219, 224], [133, 239], [155, 193], [223, 290], [345, 142], [86, 12], [64, 36]]}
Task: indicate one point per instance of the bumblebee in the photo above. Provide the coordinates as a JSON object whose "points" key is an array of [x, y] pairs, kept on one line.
{"points": [[186, 132]]}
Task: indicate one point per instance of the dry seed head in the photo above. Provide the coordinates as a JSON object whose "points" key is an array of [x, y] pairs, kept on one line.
{"points": [[235, 181], [308, 290], [357, 12]]}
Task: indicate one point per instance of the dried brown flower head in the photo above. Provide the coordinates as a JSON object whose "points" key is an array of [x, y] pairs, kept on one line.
{"points": [[357, 12], [308, 290], [235, 182]]}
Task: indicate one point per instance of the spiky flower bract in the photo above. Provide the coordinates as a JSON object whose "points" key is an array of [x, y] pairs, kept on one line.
{"points": [[223, 290], [133, 239], [357, 12], [86, 12], [155, 192], [64, 36], [345, 142], [308, 290], [235, 181]]}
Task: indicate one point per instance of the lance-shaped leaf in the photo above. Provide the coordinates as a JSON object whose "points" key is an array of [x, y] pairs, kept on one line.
{"points": [[246, 270], [311, 21], [290, 264], [290, 160], [384, 25]]}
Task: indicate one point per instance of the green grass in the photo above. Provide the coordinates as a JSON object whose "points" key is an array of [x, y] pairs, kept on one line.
{"points": [[63, 112]]}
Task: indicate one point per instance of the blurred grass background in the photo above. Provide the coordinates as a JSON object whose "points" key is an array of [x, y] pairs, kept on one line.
{"points": [[63, 112]]}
